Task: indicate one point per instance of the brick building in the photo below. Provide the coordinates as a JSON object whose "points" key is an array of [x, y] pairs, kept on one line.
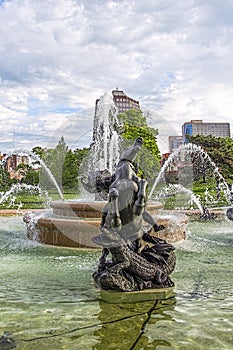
{"points": [[123, 102], [12, 162]]}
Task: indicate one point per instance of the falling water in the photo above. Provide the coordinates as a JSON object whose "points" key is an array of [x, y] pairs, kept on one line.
{"points": [[42, 163], [15, 189], [192, 150], [48, 171], [171, 188]]}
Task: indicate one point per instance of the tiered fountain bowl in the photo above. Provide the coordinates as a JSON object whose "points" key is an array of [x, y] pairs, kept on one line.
{"points": [[75, 223]]}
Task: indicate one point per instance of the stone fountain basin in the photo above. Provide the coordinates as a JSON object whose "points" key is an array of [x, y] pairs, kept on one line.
{"points": [[74, 224], [65, 232], [84, 209]]}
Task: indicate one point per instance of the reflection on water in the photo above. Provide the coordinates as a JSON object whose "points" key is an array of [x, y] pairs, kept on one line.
{"points": [[48, 300], [125, 325]]}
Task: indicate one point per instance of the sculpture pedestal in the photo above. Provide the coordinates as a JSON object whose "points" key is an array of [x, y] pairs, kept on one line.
{"points": [[115, 297]]}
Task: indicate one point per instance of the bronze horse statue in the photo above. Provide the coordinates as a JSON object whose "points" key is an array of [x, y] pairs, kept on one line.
{"points": [[121, 231]]}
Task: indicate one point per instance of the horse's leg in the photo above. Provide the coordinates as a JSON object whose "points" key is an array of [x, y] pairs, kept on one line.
{"points": [[104, 214], [114, 205], [139, 205]]}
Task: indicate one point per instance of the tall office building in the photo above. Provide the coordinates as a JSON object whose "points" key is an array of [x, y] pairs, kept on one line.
{"points": [[197, 127], [123, 102]]}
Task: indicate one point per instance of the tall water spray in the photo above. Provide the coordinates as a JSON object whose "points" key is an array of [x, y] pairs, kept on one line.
{"points": [[105, 146]]}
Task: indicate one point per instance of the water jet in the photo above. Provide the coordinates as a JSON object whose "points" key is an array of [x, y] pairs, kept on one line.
{"points": [[75, 223]]}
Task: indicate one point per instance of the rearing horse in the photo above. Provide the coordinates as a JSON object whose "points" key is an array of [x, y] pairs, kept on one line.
{"points": [[121, 228], [127, 197]]}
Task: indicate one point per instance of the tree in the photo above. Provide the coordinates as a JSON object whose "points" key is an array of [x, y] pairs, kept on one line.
{"points": [[63, 163], [135, 125], [72, 163], [55, 158], [31, 177], [41, 152], [69, 174], [220, 150], [5, 180]]}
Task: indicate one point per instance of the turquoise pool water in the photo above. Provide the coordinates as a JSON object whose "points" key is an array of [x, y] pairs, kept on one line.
{"points": [[48, 300]]}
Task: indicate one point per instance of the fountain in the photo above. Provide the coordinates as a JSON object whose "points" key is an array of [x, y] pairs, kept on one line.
{"points": [[35, 157], [203, 212], [105, 146], [9, 196], [48, 299], [199, 158], [197, 154], [75, 223]]}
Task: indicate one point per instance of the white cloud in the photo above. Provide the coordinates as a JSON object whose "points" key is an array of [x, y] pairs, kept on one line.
{"points": [[57, 57]]}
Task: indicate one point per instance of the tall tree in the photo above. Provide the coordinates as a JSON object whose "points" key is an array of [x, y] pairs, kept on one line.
{"points": [[135, 125], [54, 161], [57, 159], [72, 162]]}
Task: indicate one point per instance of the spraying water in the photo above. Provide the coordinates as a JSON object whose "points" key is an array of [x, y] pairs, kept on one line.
{"points": [[10, 195], [173, 188], [48, 171], [42, 163], [193, 151], [105, 147]]}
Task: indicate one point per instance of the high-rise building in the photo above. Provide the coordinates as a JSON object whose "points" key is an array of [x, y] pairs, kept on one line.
{"points": [[197, 127], [174, 142], [123, 102]]}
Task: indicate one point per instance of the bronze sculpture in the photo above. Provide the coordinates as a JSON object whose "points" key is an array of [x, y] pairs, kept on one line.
{"points": [[132, 266], [229, 213]]}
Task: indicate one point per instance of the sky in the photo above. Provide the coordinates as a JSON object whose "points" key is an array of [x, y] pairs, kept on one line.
{"points": [[58, 57]]}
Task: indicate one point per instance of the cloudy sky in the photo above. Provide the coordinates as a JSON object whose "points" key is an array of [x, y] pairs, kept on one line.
{"points": [[57, 57]]}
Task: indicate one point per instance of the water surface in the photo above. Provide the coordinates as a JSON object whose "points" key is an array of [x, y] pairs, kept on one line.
{"points": [[48, 300]]}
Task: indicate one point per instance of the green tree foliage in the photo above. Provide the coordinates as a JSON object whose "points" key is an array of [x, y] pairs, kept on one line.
{"points": [[31, 177], [69, 171], [135, 125], [63, 163], [220, 150], [71, 166], [54, 160], [57, 160], [41, 152], [5, 180]]}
